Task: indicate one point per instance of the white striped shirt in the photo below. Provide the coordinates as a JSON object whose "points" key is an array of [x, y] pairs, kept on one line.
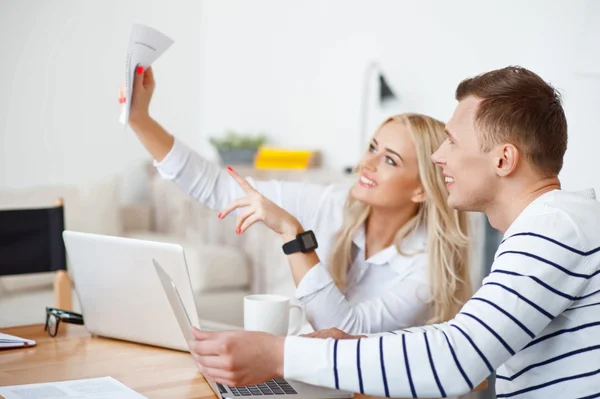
{"points": [[536, 320]]}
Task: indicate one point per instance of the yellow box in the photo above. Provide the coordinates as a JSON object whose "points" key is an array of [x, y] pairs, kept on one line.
{"points": [[278, 158]]}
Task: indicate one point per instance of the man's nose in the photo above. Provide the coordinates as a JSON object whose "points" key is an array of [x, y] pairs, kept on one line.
{"points": [[437, 157]]}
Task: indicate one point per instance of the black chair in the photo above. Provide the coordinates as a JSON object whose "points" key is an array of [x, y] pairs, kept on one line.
{"points": [[31, 242]]}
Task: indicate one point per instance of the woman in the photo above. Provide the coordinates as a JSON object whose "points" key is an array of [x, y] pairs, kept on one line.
{"points": [[396, 255]]}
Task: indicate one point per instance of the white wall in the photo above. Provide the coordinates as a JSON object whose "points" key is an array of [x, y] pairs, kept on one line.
{"points": [[62, 63], [294, 70]]}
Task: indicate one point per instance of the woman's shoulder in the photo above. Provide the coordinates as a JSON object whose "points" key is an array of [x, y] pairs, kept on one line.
{"points": [[409, 260], [415, 242], [412, 258], [413, 266], [338, 192]]}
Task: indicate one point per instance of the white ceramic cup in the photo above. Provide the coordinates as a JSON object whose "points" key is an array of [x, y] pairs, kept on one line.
{"points": [[270, 313]]}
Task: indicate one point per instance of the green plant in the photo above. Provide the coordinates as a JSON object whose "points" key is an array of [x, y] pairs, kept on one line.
{"points": [[233, 139]]}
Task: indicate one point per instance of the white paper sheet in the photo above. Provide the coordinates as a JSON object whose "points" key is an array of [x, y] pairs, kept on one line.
{"points": [[97, 388], [145, 46], [11, 341]]}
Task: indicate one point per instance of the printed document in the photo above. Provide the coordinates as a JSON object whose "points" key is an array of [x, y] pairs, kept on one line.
{"points": [[97, 388], [145, 46]]}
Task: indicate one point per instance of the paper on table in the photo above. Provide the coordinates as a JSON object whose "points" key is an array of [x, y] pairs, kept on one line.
{"points": [[10, 341], [97, 388], [145, 46]]}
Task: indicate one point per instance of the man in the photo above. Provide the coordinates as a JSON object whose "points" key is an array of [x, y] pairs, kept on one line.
{"points": [[536, 318]]}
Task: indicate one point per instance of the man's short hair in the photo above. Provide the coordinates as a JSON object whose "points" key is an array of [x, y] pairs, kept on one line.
{"points": [[519, 107]]}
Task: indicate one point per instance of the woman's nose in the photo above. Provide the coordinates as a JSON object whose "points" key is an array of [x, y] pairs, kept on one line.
{"points": [[370, 162]]}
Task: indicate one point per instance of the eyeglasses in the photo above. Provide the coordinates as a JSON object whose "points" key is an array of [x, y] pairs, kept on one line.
{"points": [[55, 316]]}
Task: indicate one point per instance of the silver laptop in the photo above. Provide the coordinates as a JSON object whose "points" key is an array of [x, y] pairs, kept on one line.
{"points": [[275, 388], [120, 294]]}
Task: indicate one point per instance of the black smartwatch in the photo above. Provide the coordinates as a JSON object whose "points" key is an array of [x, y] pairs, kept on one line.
{"points": [[304, 242]]}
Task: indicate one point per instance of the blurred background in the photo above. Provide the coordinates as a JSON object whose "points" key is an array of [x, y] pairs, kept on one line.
{"points": [[311, 75], [294, 70]]}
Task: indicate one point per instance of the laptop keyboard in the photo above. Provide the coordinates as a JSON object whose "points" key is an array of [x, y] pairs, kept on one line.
{"points": [[276, 386]]}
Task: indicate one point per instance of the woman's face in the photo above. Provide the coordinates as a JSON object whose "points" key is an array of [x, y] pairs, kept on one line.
{"points": [[389, 173]]}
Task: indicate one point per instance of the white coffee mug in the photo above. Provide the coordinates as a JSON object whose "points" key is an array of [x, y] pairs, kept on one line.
{"points": [[269, 313]]}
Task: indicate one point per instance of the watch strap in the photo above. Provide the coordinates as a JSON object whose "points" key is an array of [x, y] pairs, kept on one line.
{"points": [[292, 246]]}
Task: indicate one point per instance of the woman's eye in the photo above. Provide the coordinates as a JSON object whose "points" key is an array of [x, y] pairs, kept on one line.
{"points": [[372, 148], [390, 161]]}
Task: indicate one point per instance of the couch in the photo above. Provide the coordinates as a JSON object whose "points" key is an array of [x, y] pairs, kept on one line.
{"points": [[223, 266], [219, 273]]}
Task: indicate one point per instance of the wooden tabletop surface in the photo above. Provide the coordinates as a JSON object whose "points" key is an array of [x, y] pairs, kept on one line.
{"points": [[75, 354]]}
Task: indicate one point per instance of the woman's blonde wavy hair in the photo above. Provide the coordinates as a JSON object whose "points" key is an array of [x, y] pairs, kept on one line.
{"points": [[447, 235]]}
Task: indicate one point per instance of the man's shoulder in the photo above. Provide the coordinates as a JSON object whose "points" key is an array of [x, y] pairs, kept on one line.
{"points": [[582, 209], [566, 219]]}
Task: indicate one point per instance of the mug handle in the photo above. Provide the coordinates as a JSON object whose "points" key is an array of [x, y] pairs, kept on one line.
{"points": [[297, 329]]}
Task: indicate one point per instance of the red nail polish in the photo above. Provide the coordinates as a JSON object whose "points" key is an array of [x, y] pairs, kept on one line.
{"points": [[140, 69], [237, 231], [229, 168], [219, 216]]}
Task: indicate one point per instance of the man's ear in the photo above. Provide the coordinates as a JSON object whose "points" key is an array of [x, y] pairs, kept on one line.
{"points": [[507, 159], [419, 195]]}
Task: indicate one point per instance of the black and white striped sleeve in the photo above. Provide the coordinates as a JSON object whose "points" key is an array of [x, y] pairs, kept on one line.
{"points": [[533, 279]]}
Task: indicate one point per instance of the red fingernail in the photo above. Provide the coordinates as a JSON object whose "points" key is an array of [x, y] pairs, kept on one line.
{"points": [[140, 69], [229, 168], [219, 216], [237, 231]]}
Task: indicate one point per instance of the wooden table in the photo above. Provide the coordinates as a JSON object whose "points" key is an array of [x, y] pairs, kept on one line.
{"points": [[75, 354]]}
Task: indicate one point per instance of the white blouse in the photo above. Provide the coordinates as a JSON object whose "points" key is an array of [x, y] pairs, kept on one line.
{"points": [[388, 291]]}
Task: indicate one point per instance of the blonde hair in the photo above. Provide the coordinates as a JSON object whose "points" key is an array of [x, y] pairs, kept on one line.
{"points": [[447, 236]]}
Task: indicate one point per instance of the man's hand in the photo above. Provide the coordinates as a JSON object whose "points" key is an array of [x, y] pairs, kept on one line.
{"points": [[335, 333], [238, 358]]}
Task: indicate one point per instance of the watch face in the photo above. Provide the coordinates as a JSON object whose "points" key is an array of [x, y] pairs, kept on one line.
{"points": [[308, 240]]}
